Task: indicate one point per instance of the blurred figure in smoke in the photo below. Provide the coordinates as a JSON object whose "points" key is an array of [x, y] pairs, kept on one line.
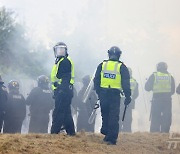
{"points": [[161, 83], [74, 108], [178, 89], [85, 109], [111, 77], [15, 109], [3, 101], [41, 103], [126, 125], [62, 77]]}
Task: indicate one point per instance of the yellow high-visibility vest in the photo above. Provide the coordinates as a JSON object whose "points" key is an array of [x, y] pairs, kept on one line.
{"points": [[162, 82], [110, 75], [54, 73]]}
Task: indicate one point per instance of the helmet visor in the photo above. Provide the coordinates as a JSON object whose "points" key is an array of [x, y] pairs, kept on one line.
{"points": [[60, 51]]}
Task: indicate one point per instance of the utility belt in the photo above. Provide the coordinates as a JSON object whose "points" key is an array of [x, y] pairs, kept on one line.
{"points": [[66, 89], [110, 90]]}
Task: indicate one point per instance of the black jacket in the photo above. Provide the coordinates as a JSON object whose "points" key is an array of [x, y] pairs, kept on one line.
{"points": [[125, 79], [64, 70], [40, 101], [15, 107]]}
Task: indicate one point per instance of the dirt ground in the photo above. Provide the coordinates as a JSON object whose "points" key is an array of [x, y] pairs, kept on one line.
{"points": [[86, 143]]}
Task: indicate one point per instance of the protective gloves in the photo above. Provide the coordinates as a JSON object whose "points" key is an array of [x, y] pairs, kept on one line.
{"points": [[56, 84]]}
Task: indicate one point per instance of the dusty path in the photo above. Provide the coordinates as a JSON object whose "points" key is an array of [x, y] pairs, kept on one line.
{"points": [[83, 143]]}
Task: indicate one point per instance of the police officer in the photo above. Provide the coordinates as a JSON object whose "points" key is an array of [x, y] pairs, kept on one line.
{"points": [[111, 77], [125, 126], [15, 109], [85, 109], [3, 101], [62, 77], [41, 103], [161, 83], [178, 89]]}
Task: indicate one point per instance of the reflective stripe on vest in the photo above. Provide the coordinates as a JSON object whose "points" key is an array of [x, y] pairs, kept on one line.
{"points": [[54, 73], [162, 82], [133, 85], [110, 75]]}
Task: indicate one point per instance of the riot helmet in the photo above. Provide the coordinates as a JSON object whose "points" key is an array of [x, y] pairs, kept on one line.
{"points": [[13, 86], [114, 53], [162, 67], [43, 81], [60, 49]]}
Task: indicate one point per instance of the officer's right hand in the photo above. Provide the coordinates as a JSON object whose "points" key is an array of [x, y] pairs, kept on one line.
{"points": [[127, 101], [56, 84]]}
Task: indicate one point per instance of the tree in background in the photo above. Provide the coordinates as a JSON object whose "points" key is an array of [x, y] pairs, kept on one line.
{"points": [[15, 55]]}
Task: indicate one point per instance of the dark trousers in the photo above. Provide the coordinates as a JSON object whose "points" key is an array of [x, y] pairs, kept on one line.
{"points": [[110, 108], [161, 116], [62, 114], [12, 125], [39, 123]]}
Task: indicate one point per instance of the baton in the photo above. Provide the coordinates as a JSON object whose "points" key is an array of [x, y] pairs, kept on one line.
{"points": [[124, 112]]}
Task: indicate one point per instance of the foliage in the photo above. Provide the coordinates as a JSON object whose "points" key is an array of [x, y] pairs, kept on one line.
{"points": [[15, 55]]}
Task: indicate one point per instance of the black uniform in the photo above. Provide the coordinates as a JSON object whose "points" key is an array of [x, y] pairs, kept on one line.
{"points": [[161, 107], [3, 102], [110, 103], [85, 110], [63, 96], [125, 126], [15, 113], [40, 102]]}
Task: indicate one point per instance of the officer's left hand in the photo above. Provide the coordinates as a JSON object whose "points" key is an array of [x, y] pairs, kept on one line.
{"points": [[127, 101]]}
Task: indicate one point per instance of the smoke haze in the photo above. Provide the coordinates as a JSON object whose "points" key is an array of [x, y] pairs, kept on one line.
{"points": [[146, 31]]}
